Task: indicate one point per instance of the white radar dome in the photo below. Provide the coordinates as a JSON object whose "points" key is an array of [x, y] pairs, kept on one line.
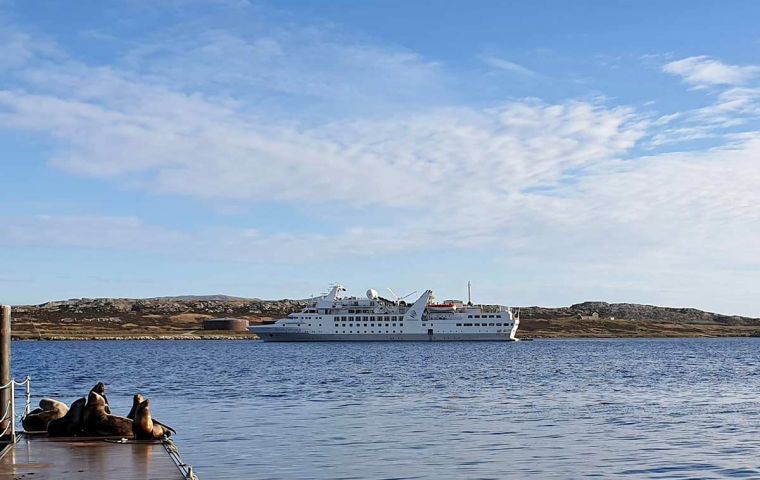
{"points": [[372, 294]]}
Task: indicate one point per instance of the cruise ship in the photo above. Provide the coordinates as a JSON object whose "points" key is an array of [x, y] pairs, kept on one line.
{"points": [[334, 318]]}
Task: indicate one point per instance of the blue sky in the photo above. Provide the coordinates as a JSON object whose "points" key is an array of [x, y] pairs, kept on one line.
{"points": [[550, 152]]}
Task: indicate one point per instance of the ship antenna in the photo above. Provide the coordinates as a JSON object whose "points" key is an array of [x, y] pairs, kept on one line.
{"points": [[397, 298], [469, 294]]}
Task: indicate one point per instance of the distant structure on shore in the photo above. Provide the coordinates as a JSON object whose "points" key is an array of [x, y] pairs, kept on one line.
{"points": [[226, 324]]}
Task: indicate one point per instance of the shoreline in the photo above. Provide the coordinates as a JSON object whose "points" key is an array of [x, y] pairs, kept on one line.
{"points": [[118, 337], [186, 319], [190, 338]]}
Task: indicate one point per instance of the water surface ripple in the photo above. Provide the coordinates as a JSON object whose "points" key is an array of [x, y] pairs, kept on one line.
{"points": [[686, 408]]}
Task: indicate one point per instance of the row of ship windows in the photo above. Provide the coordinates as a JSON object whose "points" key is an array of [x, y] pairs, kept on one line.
{"points": [[484, 324], [387, 318], [365, 331], [380, 318], [394, 331], [372, 318], [401, 325], [371, 325]]}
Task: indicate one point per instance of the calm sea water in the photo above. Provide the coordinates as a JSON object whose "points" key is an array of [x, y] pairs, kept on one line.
{"points": [[542, 409]]}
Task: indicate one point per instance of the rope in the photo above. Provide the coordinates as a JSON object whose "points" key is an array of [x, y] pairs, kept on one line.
{"points": [[6, 414], [9, 415], [26, 380], [13, 381], [187, 470]]}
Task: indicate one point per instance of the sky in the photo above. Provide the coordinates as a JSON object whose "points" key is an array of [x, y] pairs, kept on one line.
{"points": [[550, 152]]}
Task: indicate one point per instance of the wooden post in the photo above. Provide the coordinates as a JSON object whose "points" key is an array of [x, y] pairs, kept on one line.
{"points": [[5, 363]]}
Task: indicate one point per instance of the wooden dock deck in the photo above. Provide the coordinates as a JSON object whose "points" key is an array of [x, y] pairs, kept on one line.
{"points": [[43, 458]]}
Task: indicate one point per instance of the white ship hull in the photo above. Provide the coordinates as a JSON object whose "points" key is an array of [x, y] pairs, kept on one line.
{"points": [[275, 334]]}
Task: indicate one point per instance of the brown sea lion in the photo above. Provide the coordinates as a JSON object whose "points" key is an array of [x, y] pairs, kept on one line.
{"points": [[71, 423], [99, 423], [136, 401], [100, 389], [145, 428], [37, 420], [48, 404]]}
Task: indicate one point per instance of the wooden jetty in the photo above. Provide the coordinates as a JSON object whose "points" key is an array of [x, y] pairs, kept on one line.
{"points": [[37, 456]]}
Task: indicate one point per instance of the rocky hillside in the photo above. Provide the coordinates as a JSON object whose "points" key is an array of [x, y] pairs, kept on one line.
{"points": [[110, 317], [121, 317], [632, 311]]}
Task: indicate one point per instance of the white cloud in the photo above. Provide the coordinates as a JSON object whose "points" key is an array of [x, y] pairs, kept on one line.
{"points": [[703, 71], [506, 65], [733, 108], [111, 232], [316, 67], [115, 127], [17, 48]]}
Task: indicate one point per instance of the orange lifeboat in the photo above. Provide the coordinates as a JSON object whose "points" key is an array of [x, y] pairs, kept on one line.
{"points": [[441, 307]]}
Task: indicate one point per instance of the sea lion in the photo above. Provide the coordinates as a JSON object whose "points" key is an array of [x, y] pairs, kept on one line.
{"points": [[136, 401], [49, 404], [145, 428], [100, 389], [71, 423], [99, 423], [37, 420]]}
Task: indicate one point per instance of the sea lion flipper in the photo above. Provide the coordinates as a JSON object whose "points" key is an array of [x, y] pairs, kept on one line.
{"points": [[166, 427]]}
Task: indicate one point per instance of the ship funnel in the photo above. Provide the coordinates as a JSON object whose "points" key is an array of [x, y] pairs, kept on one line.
{"points": [[335, 292], [415, 313]]}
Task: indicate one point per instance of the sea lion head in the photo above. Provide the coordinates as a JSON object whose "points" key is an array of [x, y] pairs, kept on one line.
{"points": [[136, 401], [144, 407], [99, 388]]}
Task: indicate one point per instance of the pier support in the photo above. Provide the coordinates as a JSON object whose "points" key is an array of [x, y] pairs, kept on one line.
{"points": [[5, 362]]}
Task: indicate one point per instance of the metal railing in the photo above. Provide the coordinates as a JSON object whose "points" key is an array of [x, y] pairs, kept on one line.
{"points": [[9, 409], [184, 468]]}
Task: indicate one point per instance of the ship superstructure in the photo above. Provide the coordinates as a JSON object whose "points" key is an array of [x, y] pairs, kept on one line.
{"points": [[333, 317]]}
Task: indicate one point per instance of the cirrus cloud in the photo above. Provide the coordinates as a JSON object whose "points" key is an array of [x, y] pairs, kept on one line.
{"points": [[702, 71]]}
